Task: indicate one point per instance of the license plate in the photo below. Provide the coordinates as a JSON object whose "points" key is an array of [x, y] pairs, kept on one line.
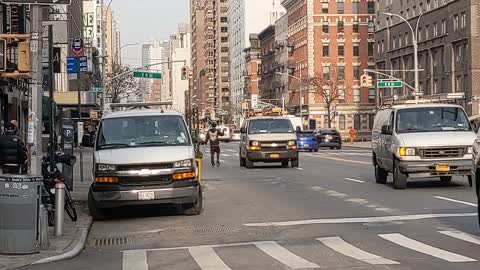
{"points": [[443, 168], [306, 145], [328, 137], [275, 156], [146, 195]]}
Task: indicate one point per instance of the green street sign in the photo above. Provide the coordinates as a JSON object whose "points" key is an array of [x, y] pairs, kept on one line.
{"points": [[392, 84], [97, 90], [146, 75]]}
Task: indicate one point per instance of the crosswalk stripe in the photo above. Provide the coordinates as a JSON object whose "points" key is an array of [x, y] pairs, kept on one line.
{"points": [[231, 150], [409, 243], [135, 260], [284, 256], [207, 259], [225, 155], [340, 246], [455, 201], [462, 236]]}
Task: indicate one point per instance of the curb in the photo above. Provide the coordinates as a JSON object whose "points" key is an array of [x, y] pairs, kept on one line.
{"points": [[73, 252]]}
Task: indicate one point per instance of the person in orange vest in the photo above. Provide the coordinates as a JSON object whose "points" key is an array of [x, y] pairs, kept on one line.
{"points": [[353, 134]]}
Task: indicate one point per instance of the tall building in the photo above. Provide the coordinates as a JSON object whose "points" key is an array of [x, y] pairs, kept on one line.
{"points": [[333, 43], [253, 64], [268, 71], [153, 53], [280, 82], [448, 49], [246, 17], [197, 82]]}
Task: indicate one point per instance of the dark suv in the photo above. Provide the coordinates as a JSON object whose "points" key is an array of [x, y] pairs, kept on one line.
{"points": [[328, 137]]}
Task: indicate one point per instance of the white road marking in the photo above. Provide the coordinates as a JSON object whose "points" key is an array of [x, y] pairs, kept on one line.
{"points": [[284, 256], [231, 150], [225, 155], [299, 169], [340, 246], [358, 201], [462, 236], [237, 155], [409, 243], [455, 201], [317, 188], [207, 259], [347, 160], [359, 220], [333, 193], [135, 260], [355, 180]]}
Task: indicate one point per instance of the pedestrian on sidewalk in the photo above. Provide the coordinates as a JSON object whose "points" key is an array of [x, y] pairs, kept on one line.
{"points": [[353, 135], [13, 153], [213, 136]]}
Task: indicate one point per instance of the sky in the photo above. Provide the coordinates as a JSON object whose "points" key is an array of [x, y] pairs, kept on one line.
{"points": [[143, 20]]}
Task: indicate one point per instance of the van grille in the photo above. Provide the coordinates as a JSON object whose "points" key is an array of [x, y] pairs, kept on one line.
{"points": [[273, 146], [145, 181], [441, 152], [139, 167]]}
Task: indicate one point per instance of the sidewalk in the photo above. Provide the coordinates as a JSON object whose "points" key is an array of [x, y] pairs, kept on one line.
{"points": [[75, 233]]}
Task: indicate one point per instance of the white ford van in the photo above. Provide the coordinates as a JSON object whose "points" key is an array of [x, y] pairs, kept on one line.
{"points": [[144, 157], [427, 140]]}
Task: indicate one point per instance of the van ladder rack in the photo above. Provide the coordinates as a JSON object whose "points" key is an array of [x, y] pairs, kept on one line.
{"points": [[140, 105]]}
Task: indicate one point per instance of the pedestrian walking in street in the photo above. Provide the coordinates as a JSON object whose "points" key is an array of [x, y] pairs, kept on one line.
{"points": [[213, 136], [13, 153], [353, 135]]}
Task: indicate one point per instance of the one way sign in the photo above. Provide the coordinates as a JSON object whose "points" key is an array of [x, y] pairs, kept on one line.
{"points": [[37, 2]]}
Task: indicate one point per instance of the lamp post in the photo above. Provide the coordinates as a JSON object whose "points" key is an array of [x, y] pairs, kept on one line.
{"points": [[415, 48]]}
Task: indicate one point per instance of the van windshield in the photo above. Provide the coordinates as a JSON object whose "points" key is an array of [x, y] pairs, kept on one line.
{"points": [[262, 126], [142, 131], [432, 120]]}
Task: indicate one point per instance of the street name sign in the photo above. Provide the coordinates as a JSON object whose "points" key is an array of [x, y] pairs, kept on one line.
{"points": [[97, 89], [392, 84], [147, 75], [37, 2]]}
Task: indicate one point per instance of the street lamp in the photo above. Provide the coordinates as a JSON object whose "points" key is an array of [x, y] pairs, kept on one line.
{"points": [[415, 47]]}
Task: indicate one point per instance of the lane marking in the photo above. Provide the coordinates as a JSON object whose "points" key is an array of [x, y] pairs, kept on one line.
{"points": [[359, 220], [358, 201], [207, 259], [462, 236], [340, 246], [225, 155], [237, 155], [284, 256], [455, 201], [347, 160], [414, 245], [299, 169], [231, 151], [135, 260], [355, 180]]}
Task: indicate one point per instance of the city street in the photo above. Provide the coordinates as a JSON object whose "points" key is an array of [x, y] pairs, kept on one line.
{"points": [[327, 214]]}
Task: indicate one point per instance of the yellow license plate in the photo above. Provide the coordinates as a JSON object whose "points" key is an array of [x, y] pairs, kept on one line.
{"points": [[443, 168], [275, 156]]}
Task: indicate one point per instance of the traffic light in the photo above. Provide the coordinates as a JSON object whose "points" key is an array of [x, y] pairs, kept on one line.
{"points": [[3, 55], [369, 81], [23, 57], [366, 81], [184, 73]]}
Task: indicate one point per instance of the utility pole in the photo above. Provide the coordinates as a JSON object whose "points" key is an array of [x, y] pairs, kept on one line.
{"points": [[104, 56], [36, 91], [51, 86]]}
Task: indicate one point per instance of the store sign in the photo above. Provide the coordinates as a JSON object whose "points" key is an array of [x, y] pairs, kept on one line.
{"points": [[13, 19]]}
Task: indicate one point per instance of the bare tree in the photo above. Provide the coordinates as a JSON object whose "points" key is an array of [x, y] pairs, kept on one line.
{"points": [[326, 86], [123, 83]]}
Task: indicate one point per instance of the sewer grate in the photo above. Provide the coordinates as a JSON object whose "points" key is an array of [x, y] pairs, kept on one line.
{"points": [[216, 229], [114, 241]]}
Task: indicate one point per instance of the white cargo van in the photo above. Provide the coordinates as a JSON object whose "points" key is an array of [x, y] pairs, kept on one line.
{"points": [[427, 140]]}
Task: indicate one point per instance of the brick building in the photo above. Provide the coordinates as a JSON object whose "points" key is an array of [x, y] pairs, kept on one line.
{"points": [[253, 64], [449, 42], [268, 72], [332, 40]]}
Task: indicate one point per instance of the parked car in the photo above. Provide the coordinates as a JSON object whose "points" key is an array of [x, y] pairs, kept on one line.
{"points": [[328, 137], [227, 133], [307, 141], [236, 135], [424, 140], [268, 140]]}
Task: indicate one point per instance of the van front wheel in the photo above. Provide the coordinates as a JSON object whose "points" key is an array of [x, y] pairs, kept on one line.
{"points": [[381, 175], [194, 209], [399, 179]]}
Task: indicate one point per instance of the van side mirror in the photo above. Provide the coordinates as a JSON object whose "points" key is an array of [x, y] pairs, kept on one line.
{"points": [[243, 130], [386, 130], [298, 129]]}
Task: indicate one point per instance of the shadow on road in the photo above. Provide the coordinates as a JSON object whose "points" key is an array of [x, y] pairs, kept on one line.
{"points": [[432, 183]]}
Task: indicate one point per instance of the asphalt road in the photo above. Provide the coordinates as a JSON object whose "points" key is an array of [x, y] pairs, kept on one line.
{"points": [[327, 214]]}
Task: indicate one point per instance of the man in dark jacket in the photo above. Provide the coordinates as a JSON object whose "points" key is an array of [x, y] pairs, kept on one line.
{"points": [[213, 135], [13, 153]]}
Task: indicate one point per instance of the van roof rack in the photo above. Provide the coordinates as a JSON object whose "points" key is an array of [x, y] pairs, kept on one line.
{"points": [[140, 105]]}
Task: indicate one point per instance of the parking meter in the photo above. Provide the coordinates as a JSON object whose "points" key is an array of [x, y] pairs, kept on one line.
{"points": [[68, 140]]}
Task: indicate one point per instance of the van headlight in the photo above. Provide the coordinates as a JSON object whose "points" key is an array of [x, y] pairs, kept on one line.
{"points": [[292, 143], [106, 168], [254, 143], [183, 163], [470, 150], [407, 151]]}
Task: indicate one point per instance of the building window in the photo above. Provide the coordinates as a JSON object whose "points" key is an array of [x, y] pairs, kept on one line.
{"points": [[325, 122], [356, 27], [340, 26], [357, 122], [324, 7], [325, 27], [444, 27], [356, 7], [356, 50], [455, 22], [341, 95], [435, 29], [371, 95], [371, 121], [356, 73], [326, 73], [340, 7], [341, 50], [464, 20], [371, 26], [371, 7], [356, 95], [427, 31], [342, 125], [341, 73], [326, 51]]}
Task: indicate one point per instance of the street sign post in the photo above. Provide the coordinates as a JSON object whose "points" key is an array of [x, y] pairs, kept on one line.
{"points": [[37, 2], [147, 75], [83, 64], [97, 89], [72, 65], [391, 84]]}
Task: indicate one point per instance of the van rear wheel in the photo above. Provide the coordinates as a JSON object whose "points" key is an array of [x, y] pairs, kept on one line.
{"points": [[249, 164], [399, 179]]}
